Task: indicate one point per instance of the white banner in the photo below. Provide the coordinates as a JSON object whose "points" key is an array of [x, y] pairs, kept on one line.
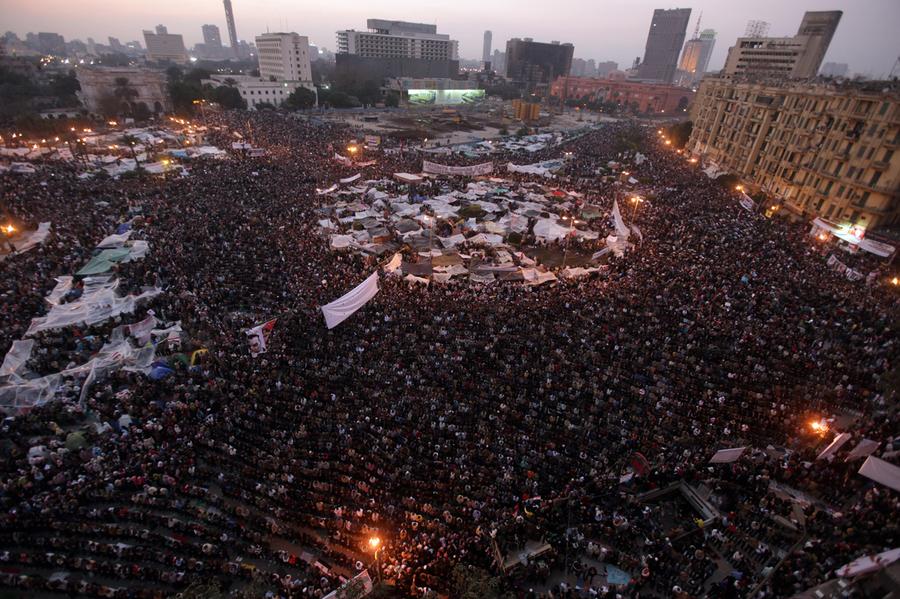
{"points": [[621, 230], [343, 308], [747, 203], [351, 179], [356, 587], [464, 171], [881, 472], [834, 446], [342, 159], [863, 448]]}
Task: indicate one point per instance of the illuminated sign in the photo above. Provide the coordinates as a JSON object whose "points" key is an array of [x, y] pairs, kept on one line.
{"points": [[445, 97]]}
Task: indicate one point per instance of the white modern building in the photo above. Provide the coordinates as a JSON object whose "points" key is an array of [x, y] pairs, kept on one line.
{"points": [[260, 90], [165, 46], [284, 56], [398, 39]]}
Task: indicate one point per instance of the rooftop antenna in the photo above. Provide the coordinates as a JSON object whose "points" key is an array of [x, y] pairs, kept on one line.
{"points": [[697, 28]]}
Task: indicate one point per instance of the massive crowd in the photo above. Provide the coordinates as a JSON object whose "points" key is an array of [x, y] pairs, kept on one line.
{"points": [[456, 423]]}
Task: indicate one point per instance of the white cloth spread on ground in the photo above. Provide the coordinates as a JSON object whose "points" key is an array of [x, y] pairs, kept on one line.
{"points": [[342, 308]]}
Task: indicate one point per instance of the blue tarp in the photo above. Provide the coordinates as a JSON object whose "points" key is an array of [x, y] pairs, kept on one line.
{"points": [[616, 576]]}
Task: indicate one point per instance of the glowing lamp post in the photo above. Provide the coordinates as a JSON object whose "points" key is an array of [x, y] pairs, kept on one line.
{"points": [[8, 230], [375, 545], [636, 201]]}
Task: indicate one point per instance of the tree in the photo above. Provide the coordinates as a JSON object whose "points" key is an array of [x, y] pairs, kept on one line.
{"points": [[131, 141], [392, 99], [300, 99], [125, 94], [225, 96], [469, 582], [265, 106]]}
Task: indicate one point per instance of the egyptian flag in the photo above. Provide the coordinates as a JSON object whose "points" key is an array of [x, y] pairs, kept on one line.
{"points": [[639, 464], [258, 337]]}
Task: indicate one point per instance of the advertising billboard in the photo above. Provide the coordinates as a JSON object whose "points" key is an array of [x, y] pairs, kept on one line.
{"points": [[444, 97]]}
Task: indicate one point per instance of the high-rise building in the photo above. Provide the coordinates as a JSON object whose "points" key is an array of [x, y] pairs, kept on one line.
{"points": [[164, 46], [667, 32], [825, 150], [284, 56], [533, 66], [486, 51], [115, 45], [211, 37], [498, 61], [834, 69], [818, 28], [391, 49], [797, 57], [695, 57], [232, 30], [757, 29], [398, 39], [51, 43], [606, 67]]}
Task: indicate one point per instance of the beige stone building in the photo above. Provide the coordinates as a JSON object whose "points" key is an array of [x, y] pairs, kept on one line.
{"points": [[823, 150]]}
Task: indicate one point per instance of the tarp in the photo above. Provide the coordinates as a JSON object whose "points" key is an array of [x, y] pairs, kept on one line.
{"points": [[726, 456], [549, 230], [90, 309], [32, 238], [833, 447], [18, 354], [540, 169], [342, 308], [114, 241], [881, 472], [466, 171], [862, 449]]}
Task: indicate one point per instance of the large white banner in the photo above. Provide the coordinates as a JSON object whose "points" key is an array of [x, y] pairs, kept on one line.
{"points": [[343, 308], [621, 230], [464, 171], [881, 472]]}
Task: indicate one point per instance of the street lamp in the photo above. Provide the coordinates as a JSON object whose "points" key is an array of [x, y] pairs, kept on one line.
{"points": [[636, 200], [9, 230], [375, 544], [739, 188]]}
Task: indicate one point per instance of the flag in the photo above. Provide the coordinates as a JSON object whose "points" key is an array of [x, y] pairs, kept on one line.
{"points": [[258, 337], [639, 464], [345, 306]]}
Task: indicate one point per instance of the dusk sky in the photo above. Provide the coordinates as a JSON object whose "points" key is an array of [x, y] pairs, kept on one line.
{"points": [[603, 30]]}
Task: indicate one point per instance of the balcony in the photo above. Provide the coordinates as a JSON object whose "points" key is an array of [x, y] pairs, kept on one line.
{"points": [[871, 209], [880, 165]]}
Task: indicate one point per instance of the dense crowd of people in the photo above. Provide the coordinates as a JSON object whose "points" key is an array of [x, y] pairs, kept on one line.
{"points": [[457, 423]]}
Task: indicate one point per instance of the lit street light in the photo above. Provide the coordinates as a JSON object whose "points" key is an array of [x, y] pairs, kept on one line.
{"points": [[375, 544], [636, 200]]}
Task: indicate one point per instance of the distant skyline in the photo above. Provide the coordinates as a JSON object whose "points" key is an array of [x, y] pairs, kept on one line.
{"points": [[608, 30]]}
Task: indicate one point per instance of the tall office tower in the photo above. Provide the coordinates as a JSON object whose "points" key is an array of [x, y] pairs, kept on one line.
{"points": [[834, 69], [818, 28], [232, 31], [486, 52], [162, 30], [757, 29], [695, 57], [667, 32], [284, 56], [534, 66], [211, 37]]}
